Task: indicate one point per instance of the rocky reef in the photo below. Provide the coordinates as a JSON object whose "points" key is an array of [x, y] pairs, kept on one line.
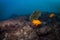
{"points": [[21, 28], [18, 29]]}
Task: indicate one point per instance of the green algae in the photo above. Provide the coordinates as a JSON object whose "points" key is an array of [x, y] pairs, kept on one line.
{"points": [[35, 15]]}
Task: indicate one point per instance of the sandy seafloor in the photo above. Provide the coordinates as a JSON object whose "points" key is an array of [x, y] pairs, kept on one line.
{"points": [[21, 28]]}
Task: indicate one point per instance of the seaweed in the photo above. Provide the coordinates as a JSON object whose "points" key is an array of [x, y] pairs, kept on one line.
{"points": [[35, 15]]}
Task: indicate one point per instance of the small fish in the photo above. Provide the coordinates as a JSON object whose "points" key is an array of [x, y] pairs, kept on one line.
{"points": [[51, 15], [36, 22]]}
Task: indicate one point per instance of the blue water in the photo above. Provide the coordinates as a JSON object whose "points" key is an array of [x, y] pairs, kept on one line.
{"points": [[24, 7]]}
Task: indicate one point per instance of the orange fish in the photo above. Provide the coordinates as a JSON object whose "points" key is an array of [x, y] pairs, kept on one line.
{"points": [[51, 15], [36, 22]]}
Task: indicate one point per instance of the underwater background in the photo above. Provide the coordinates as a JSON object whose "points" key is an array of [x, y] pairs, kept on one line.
{"points": [[26, 7]]}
